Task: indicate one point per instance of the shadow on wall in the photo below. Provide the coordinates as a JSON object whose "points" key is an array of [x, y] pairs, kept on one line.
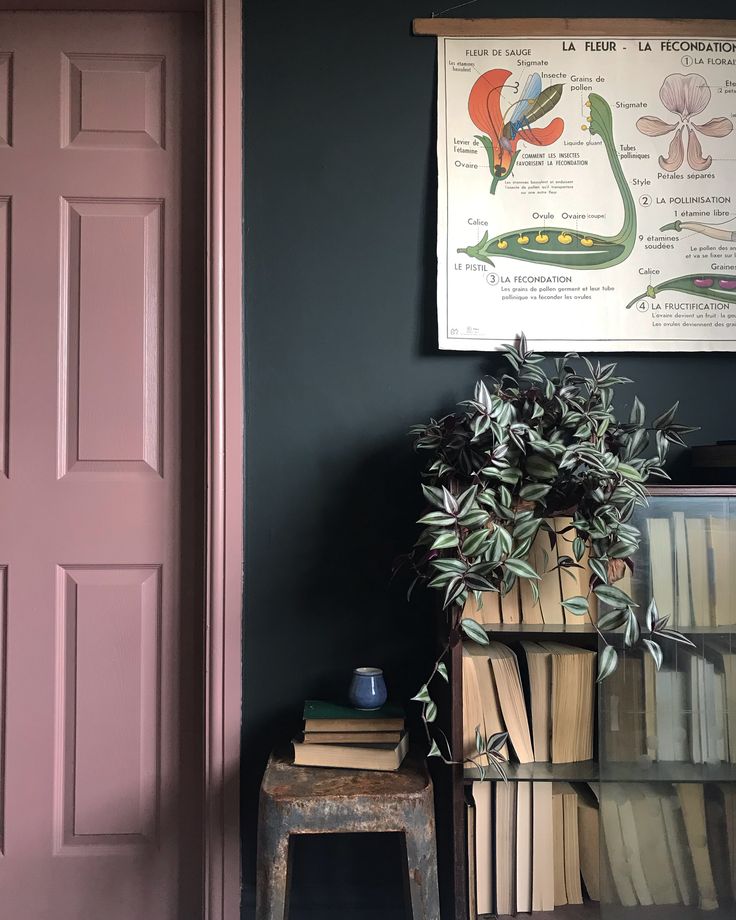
{"points": [[344, 550]]}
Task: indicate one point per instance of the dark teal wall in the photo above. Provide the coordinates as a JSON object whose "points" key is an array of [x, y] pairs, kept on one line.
{"points": [[339, 316]]}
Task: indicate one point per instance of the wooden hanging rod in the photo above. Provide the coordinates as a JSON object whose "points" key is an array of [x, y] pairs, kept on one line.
{"points": [[555, 28]]}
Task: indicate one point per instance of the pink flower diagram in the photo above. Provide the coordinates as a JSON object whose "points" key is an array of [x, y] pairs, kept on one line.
{"points": [[685, 95]]}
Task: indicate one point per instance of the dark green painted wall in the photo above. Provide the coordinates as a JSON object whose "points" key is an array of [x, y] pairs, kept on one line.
{"points": [[339, 317]]}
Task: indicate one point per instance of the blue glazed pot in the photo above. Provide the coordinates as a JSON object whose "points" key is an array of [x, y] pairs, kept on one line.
{"points": [[368, 688]]}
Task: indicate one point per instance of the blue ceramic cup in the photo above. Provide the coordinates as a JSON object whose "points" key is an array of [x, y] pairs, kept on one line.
{"points": [[368, 688]]}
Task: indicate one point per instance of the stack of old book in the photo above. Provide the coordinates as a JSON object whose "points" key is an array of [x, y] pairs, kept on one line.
{"points": [[685, 711], [544, 698], [358, 739], [562, 577], [691, 568], [535, 846]]}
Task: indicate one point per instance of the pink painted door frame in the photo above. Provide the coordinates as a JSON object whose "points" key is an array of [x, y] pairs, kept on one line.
{"points": [[224, 545]]}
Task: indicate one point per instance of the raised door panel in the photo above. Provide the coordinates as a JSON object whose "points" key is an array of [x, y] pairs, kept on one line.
{"points": [[110, 331], [113, 100], [108, 706]]}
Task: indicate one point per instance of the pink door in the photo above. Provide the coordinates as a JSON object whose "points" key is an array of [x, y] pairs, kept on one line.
{"points": [[100, 470]]}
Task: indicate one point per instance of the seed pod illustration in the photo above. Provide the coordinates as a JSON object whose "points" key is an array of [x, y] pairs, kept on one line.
{"points": [[714, 287]]}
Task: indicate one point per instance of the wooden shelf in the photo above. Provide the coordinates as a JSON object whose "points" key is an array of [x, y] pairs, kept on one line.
{"points": [[591, 909], [577, 629], [585, 911], [668, 772], [555, 629], [674, 912], [588, 771], [585, 772], [703, 501]]}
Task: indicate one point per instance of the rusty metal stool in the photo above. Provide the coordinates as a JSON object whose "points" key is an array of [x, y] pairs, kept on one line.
{"points": [[316, 800]]}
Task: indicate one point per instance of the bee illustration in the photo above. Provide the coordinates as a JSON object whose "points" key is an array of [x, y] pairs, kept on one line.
{"points": [[535, 102]]}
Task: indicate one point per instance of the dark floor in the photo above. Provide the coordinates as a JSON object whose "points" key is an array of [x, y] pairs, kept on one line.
{"points": [[344, 877]]}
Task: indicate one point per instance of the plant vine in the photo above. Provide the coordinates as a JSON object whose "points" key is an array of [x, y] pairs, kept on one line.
{"points": [[532, 445]]}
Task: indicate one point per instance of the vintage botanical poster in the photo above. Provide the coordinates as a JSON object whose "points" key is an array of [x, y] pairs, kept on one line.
{"points": [[587, 193]]}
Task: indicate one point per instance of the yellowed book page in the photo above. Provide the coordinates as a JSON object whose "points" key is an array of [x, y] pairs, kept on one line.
{"points": [[697, 555], [505, 853], [729, 670], [655, 855], [487, 613], [612, 834], [678, 846], [589, 837], [573, 887], [543, 874], [693, 813], [511, 699], [472, 881], [683, 613], [539, 664], [631, 846], [483, 847], [722, 566], [550, 592], [558, 832], [626, 582], [728, 791], [472, 709], [492, 720], [650, 707], [511, 606], [732, 543], [531, 608], [523, 847], [573, 691], [662, 564], [574, 581]]}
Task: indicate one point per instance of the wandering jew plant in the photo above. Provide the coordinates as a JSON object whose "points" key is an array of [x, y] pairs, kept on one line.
{"points": [[536, 443]]}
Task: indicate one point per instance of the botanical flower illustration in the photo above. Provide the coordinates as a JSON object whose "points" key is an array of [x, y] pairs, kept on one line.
{"points": [[503, 129], [685, 95]]}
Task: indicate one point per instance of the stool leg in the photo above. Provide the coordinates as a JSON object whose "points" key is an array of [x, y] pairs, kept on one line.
{"points": [[272, 874], [421, 864]]}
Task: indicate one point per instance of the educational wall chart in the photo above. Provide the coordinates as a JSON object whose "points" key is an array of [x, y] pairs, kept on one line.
{"points": [[587, 193]]}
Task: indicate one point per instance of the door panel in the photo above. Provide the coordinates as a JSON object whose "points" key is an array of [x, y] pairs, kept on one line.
{"points": [[101, 432], [111, 322]]}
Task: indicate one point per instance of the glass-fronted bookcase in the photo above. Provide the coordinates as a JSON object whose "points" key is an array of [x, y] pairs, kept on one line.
{"points": [[656, 801]]}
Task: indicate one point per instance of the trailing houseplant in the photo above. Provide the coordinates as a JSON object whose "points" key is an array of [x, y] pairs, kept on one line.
{"points": [[540, 441]]}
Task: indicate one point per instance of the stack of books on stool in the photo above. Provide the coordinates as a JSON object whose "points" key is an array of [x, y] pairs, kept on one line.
{"points": [[357, 739]]}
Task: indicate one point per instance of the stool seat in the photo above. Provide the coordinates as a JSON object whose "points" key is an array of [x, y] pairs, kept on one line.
{"points": [[318, 800]]}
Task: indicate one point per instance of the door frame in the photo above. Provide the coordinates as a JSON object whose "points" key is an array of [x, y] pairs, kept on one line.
{"points": [[224, 468]]}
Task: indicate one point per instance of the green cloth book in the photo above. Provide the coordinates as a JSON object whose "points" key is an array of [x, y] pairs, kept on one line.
{"points": [[334, 717]]}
